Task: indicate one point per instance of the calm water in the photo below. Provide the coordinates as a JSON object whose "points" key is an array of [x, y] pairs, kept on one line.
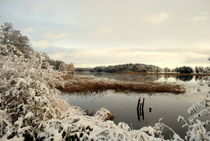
{"points": [[125, 106]]}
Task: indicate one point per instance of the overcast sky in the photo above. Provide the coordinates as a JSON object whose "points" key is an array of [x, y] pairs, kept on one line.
{"points": [[106, 32]]}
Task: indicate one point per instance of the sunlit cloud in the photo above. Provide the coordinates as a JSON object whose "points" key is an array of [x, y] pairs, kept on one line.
{"points": [[162, 57], [57, 36], [196, 59], [41, 44], [42, 5], [52, 39], [58, 56], [105, 30], [28, 30], [158, 18], [200, 18], [46, 44]]}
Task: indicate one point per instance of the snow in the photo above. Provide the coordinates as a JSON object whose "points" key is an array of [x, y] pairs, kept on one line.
{"points": [[30, 108]]}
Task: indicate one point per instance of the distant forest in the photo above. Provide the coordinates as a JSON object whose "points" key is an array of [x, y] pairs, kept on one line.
{"points": [[144, 68]]}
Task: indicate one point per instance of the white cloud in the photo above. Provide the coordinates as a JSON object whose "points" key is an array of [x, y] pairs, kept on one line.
{"points": [[200, 18], [158, 18], [28, 30], [46, 44], [191, 54], [105, 30], [57, 36], [204, 12], [41, 44], [58, 56], [49, 40]]}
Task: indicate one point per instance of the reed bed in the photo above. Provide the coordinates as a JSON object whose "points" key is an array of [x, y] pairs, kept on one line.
{"points": [[93, 85]]}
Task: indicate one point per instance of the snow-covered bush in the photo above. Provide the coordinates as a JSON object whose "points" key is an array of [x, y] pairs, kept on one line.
{"points": [[25, 92], [196, 127]]}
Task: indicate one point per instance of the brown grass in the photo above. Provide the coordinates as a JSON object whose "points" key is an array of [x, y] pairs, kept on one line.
{"points": [[67, 76], [91, 85]]}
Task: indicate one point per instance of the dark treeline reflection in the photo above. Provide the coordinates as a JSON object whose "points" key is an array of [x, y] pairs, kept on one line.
{"points": [[185, 78], [128, 77], [142, 77], [197, 78]]}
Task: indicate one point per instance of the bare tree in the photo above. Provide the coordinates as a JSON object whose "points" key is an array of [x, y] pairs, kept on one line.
{"points": [[8, 35]]}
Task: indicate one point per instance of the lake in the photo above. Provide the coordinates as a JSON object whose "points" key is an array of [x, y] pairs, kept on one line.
{"points": [[127, 108]]}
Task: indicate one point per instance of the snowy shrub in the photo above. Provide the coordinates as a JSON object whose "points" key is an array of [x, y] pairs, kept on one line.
{"points": [[196, 127]]}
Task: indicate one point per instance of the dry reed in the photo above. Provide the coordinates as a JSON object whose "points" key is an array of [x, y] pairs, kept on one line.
{"points": [[92, 85]]}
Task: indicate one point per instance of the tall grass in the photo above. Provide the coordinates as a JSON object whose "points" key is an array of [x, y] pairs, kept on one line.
{"points": [[91, 85]]}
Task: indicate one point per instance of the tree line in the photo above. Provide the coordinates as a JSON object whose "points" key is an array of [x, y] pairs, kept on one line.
{"points": [[149, 69], [127, 68]]}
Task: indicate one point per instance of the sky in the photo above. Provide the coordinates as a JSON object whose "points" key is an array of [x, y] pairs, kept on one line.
{"points": [[90, 33]]}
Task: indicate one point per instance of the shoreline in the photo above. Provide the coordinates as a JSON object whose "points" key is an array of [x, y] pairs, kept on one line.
{"points": [[167, 74], [153, 73]]}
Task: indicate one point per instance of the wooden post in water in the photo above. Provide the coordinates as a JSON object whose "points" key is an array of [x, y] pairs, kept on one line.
{"points": [[150, 109], [140, 109]]}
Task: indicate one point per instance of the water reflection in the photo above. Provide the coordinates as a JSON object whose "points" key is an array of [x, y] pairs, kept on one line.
{"points": [[186, 78], [140, 109], [124, 77], [197, 78], [142, 77], [148, 108]]}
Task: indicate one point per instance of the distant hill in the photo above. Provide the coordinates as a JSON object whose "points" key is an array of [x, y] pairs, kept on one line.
{"points": [[127, 68]]}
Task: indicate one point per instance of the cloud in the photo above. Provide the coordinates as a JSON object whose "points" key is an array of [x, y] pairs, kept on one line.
{"points": [[28, 30], [41, 44], [177, 55], [58, 56], [39, 6], [57, 36], [200, 18], [196, 59], [53, 39], [158, 18], [105, 30]]}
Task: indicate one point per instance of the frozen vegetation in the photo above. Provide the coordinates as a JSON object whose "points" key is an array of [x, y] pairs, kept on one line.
{"points": [[31, 110]]}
